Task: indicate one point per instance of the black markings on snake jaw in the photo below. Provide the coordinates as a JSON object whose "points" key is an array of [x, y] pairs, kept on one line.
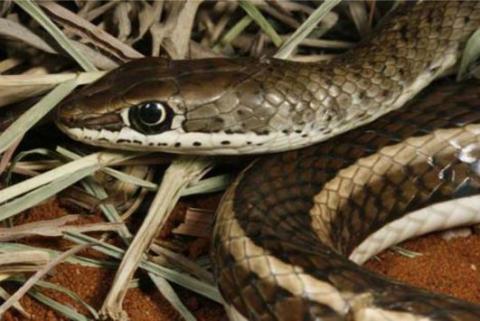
{"points": [[225, 142], [177, 144], [197, 144], [123, 141], [218, 120]]}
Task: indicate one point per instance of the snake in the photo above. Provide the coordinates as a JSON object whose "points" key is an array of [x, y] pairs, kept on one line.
{"points": [[356, 144]]}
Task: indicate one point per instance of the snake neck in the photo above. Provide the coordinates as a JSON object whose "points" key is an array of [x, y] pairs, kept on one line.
{"points": [[412, 49]]}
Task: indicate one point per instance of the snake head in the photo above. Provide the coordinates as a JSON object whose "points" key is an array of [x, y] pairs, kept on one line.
{"points": [[118, 100], [208, 106]]}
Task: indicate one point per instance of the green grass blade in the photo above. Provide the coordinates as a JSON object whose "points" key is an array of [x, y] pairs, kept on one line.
{"points": [[234, 32], [305, 29], [169, 293], [58, 288], [46, 184], [209, 185], [57, 306], [33, 198], [179, 278], [257, 16]]}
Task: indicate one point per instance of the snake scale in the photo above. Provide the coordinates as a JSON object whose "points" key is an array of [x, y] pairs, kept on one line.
{"points": [[285, 227]]}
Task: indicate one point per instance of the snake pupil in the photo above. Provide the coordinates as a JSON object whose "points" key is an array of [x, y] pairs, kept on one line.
{"points": [[150, 117], [151, 113]]}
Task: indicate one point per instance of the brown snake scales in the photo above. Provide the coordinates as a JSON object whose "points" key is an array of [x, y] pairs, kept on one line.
{"points": [[286, 226]]}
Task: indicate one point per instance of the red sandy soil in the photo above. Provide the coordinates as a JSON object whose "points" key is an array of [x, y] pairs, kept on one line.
{"points": [[449, 267]]}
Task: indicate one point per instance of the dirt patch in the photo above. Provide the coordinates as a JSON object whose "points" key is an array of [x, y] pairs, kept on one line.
{"points": [[448, 267]]}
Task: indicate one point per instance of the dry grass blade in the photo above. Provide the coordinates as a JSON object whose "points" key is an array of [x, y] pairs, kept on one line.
{"points": [[5, 295], [49, 227], [34, 10], [360, 17], [34, 114], [407, 253], [62, 309], [178, 176], [15, 30], [122, 176], [9, 63], [179, 38], [61, 289], [7, 157], [15, 88], [37, 276], [109, 210], [167, 257], [91, 162], [233, 314], [38, 195], [147, 17], [53, 228], [197, 222], [84, 261], [470, 54], [86, 29], [50, 79], [21, 261], [208, 185], [54, 181], [169, 293], [305, 29], [93, 188]]}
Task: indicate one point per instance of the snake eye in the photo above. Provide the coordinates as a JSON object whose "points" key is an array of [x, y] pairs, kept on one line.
{"points": [[151, 113], [150, 117]]}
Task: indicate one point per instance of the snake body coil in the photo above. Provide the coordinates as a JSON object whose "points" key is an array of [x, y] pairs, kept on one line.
{"points": [[285, 227]]}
